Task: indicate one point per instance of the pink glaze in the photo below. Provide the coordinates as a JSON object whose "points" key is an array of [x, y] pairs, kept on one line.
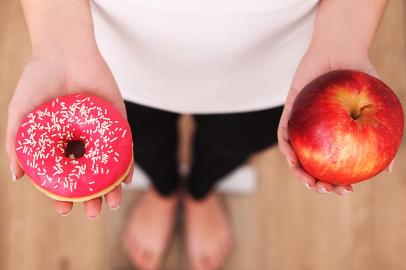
{"points": [[44, 133]]}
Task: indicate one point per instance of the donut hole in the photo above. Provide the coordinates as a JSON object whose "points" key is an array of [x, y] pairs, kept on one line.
{"points": [[75, 149]]}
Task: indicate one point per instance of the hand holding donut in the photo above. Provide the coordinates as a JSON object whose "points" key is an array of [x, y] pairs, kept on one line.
{"points": [[53, 73]]}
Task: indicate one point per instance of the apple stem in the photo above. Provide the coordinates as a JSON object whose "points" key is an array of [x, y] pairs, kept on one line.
{"points": [[365, 107], [356, 115]]}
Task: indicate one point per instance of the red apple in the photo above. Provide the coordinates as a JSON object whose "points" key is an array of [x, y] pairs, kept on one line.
{"points": [[346, 127]]}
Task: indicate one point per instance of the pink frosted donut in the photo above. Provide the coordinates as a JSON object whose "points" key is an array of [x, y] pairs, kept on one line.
{"points": [[75, 147]]}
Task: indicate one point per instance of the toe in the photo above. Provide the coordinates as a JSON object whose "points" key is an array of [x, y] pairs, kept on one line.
{"points": [[207, 262], [133, 252], [197, 263], [194, 265], [155, 261], [147, 259], [216, 259]]}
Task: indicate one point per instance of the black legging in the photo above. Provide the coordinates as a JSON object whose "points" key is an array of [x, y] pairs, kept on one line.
{"points": [[222, 142]]}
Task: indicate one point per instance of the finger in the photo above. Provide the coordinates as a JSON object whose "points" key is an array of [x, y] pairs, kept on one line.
{"points": [[343, 190], [63, 208], [290, 155], [304, 177], [390, 166], [324, 188], [19, 106], [93, 207], [129, 178], [12, 125], [113, 198], [284, 145]]}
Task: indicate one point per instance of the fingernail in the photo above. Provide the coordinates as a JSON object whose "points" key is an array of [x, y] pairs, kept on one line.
{"points": [[13, 175], [115, 208], [307, 185], [390, 167], [290, 163], [65, 214], [346, 192], [93, 218], [323, 190]]}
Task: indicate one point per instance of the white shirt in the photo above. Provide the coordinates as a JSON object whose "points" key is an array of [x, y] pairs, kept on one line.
{"points": [[204, 56]]}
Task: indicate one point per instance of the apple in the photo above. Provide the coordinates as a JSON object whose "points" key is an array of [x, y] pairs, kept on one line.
{"points": [[345, 127]]}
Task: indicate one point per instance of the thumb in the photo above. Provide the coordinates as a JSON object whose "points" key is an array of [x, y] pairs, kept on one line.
{"points": [[22, 102], [13, 123], [390, 166]]}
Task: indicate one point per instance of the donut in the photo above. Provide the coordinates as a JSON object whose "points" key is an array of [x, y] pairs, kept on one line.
{"points": [[75, 147]]}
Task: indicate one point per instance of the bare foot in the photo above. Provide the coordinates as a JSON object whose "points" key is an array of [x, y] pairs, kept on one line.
{"points": [[149, 228], [208, 234]]}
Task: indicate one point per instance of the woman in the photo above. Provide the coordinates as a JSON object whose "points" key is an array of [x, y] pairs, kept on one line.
{"points": [[230, 64]]}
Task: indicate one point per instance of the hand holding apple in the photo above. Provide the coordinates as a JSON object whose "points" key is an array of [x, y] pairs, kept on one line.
{"points": [[345, 127], [315, 63]]}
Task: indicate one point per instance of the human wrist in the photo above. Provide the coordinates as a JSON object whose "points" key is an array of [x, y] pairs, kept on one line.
{"points": [[318, 57], [68, 39], [65, 48], [334, 48], [65, 26], [346, 27]]}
